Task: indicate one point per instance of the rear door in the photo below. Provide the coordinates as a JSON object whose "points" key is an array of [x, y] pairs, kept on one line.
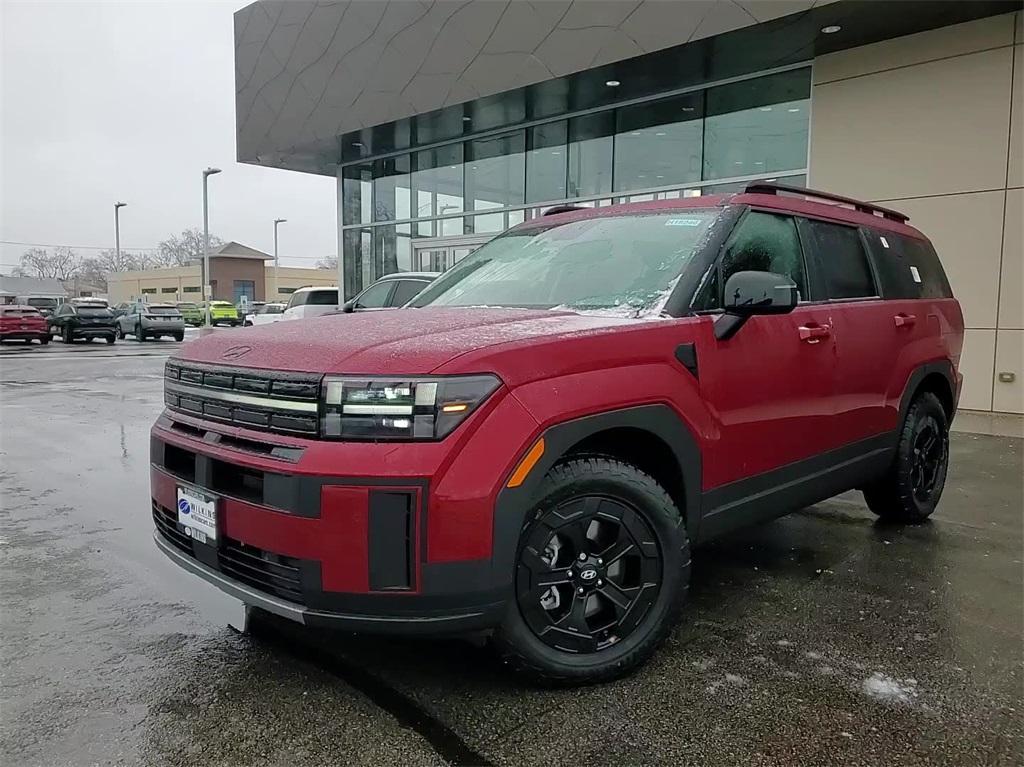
{"points": [[771, 385], [867, 330]]}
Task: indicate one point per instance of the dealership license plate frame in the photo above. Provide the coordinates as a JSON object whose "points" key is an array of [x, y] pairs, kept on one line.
{"points": [[201, 521]]}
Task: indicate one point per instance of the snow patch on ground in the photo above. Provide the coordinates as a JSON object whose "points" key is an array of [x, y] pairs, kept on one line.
{"points": [[888, 689]]}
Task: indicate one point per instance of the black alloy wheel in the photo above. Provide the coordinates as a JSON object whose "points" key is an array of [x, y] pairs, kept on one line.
{"points": [[929, 459], [589, 572]]}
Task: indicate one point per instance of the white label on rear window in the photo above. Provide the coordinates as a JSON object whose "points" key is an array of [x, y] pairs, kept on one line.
{"points": [[915, 274], [885, 242], [683, 222]]}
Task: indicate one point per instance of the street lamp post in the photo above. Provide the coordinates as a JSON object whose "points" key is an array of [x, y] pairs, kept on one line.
{"points": [[117, 231], [206, 242], [277, 285]]}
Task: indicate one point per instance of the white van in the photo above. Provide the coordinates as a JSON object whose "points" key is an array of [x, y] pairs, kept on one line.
{"points": [[311, 302]]}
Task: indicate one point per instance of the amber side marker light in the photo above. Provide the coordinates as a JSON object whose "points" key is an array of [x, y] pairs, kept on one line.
{"points": [[456, 408], [528, 462]]}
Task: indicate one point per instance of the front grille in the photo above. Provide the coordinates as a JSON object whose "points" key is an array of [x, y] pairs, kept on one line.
{"points": [[262, 570], [268, 401]]}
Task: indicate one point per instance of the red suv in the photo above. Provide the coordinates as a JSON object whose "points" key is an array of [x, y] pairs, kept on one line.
{"points": [[532, 448]]}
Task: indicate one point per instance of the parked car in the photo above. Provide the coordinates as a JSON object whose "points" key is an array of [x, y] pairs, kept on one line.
{"points": [[534, 446], [146, 321], [266, 315], [121, 309], [81, 320], [311, 302], [390, 291], [250, 308], [222, 313], [191, 313], [23, 323], [46, 305]]}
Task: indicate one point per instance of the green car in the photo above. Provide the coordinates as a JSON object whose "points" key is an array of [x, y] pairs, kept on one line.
{"points": [[191, 313], [223, 313]]}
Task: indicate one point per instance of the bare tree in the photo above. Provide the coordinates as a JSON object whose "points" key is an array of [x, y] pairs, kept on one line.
{"points": [[60, 264], [181, 250]]}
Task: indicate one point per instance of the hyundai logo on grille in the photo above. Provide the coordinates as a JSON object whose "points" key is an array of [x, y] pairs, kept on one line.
{"points": [[589, 574], [234, 352]]}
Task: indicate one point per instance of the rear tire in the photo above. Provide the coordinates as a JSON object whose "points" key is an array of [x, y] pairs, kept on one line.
{"points": [[912, 486], [179, 337], [581, 621], [111, 339], [44, 340], [66, 336]]}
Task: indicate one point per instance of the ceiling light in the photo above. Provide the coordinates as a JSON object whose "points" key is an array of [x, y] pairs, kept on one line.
{"points": [[659, 177], [758, 163], [687, 109], [642, 175], [793, 109], [738, 162], [556, 153], [613, 83], [635, 133], [357, 144], [660, 133], [466, 119], [831, 29], [766, 109]]}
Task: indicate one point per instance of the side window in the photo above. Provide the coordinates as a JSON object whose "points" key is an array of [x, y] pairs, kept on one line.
{"points": [[406, 291], [925, 268], [841, 259], [375, 296], [765, 242]]}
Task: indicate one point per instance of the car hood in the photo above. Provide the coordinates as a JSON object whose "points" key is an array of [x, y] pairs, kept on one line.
{"points": [[400, 342]]}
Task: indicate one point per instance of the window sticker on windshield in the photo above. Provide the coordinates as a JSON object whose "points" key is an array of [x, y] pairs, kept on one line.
{"points": [[683, 222], [885, 242], [915, 274]]}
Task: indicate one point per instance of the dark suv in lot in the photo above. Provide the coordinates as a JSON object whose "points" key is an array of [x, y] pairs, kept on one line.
{"points": [[533, 447], [78, 321]]}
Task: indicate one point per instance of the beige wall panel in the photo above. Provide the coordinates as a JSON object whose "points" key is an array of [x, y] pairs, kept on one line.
{"points": [[930, 129], [916, 49], [1015, 174], [976, 366], [1011, 292], [1009, 397], [966, 230]]}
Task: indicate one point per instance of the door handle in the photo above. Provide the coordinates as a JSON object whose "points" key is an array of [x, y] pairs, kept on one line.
{"points": [[904, 320], [812, 334]]}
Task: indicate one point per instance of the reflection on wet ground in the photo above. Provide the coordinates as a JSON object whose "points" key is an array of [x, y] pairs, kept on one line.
{"points": [[822, 638]]}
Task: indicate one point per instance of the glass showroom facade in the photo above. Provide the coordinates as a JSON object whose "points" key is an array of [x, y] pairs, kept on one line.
{"points": [[425, 208]]}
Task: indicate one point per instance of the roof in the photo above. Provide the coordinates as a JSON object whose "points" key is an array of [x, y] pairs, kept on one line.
{"points": [[413, 275], [238, 250], [31, 286]]}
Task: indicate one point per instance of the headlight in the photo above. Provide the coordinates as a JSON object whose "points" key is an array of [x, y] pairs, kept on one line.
{"points": [[400, 408]]}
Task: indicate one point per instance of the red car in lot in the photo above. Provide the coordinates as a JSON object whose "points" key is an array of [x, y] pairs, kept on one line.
{"points": [[23, 323], [533, 447]]}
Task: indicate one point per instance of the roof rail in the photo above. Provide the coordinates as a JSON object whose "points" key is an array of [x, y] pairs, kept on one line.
{"points": [[761, 187], [564, 209]]}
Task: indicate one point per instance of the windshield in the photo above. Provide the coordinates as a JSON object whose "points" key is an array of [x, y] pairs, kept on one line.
{"points": [[624, 265], [46, 303]]}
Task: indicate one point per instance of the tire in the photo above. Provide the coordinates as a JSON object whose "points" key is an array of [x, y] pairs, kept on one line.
{"points": [[179, 337], [630, 508], [44, 340], [66, 336], [111, 339], [140, 334], [120, 332], [912, 486]]}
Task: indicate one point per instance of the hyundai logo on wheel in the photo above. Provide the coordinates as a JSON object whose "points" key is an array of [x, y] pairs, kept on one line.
{"points": [[589, 574], [183, 506]]}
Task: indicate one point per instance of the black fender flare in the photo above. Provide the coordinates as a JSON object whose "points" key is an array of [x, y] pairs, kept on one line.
{"points": [[513, 503], [944, 368]]}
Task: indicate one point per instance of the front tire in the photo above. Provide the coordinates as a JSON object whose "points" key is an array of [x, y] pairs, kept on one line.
{"points": [[111, 339], [44, 340], [66, 336], [601, 575], [912, 486]]}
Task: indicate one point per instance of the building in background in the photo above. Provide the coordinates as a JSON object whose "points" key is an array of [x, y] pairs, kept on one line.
{"points": [[235, 270], [445, 123], [15, 289]]}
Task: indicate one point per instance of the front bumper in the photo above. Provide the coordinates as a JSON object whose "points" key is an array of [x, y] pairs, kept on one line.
{"points": [[402, 541]]}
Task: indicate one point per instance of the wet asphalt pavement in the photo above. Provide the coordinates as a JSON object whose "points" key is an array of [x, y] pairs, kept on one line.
{"points": [[821, 638]]}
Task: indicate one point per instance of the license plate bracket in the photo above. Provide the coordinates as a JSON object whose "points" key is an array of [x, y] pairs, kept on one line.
{"points": [[197, 514]]}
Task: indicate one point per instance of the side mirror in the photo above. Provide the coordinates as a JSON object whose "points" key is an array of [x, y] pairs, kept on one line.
{"points": [[349, 306], [751, 293]]}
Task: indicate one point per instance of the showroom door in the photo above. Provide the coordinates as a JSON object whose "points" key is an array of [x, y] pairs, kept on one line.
{"points": [[441, 254]]}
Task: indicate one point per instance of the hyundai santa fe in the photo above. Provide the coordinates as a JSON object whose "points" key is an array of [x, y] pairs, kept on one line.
{"points": [[533, 447]]}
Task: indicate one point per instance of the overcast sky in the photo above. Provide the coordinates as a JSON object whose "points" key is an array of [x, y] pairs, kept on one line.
{"points": [[130, 101]]}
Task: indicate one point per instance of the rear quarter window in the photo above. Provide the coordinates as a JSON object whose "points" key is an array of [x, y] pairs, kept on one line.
{"points": [[907, 267]]}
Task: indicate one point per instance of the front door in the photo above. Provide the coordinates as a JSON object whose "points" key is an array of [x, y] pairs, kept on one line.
{"points": [[771, 386]]}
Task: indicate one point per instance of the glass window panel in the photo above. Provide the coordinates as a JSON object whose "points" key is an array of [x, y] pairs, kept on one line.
{"points": [[437, 186], [516, 217], [765, 242], [391, 192], [357, 187], [546, 162], [659, 144], [357, 259], [393, 249], [496, 172], [491, 223], [840, 256], [757, 126], [375, 296], [590, 154]]}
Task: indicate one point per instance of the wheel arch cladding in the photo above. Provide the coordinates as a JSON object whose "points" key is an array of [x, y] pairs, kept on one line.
{"points": [[936, 378], [676, 456]]}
